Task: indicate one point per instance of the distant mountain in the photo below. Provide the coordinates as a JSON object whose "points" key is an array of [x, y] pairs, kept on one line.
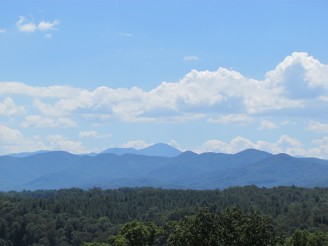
{"points": [[187, 170], [120, 151], [25, 154], [159, 149], [275, 170], [18, 171]]}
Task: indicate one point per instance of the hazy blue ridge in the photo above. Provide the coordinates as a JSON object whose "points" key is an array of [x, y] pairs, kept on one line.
{"points": [[187, 170], [159, 149]]}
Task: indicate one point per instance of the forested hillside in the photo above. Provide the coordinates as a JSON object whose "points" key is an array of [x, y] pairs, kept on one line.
{"points": [[75, 216]]}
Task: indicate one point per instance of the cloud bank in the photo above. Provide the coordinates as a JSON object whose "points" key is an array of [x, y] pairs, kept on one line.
{"points": [[218, 92], [297, 87]]}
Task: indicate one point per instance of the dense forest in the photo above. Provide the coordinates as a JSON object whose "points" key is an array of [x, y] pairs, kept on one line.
{"points": [[146, 216]]}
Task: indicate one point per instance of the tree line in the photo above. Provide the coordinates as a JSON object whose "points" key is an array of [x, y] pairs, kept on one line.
{"points": [[287, 215]]}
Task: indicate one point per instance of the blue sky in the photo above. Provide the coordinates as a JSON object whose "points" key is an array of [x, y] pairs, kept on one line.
{"points": [[219, 76]]}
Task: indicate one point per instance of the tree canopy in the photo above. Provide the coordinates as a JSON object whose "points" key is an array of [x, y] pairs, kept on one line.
{"points": [[251, 215]]}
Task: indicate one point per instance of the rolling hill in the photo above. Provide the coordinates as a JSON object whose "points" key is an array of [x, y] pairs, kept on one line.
{"points": [[159, 166]]}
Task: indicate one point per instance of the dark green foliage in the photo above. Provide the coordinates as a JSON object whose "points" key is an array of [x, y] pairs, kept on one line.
{"points": [[202, 229], [246, 229], [95, 244], [231, 228], [136, 233], [306, 238], [74, 216]]}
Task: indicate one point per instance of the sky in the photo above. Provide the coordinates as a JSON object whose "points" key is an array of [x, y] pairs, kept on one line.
{"points": [[211, 75]]}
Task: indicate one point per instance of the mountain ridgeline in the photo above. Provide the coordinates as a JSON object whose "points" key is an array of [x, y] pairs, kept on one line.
{"points": [[160, 166]]}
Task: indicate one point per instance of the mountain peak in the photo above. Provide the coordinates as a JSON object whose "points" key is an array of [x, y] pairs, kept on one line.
{"points": [[160, 149], [251, 150], [120, 151], [253, 153], [283, 156]]}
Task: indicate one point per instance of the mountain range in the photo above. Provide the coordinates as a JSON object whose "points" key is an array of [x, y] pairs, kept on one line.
{"points": [[159, 149], [159, 165]]}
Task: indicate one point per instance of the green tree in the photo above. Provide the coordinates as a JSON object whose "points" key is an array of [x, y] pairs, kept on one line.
{"points": [[201, 229], [246, 229], [136, 233], [95, 244], [306, 238]]}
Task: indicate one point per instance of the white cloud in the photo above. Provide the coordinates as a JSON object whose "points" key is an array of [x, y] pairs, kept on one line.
{"points": [[49, 110], [137, 144], [175, 144], [293, 88], [318, 127], [93, 134], [321, 149], [267, 124], [221, 96], [24, 25], [314, 73], [8, 107], [235, 145], [56, 91], [45, 26], [38, 121], [13, 141], [58, 142], [2, 30], [191, 58], [9, 136], [232, 118]]}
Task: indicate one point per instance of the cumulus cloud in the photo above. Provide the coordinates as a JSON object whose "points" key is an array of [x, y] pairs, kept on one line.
{"points": [[8, 107], [25, 25], [45, 26], [2, 30], [222, 96], [9, 136], [318, 127], [314, 73], [321, 149], [235, 145], [38, 121], [59, 142], [13, 141], [18, 88], [175, 144], [48, 109], [297, 87]]}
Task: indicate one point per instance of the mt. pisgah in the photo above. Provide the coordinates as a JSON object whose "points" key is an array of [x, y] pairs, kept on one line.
{"points": [[159, 149]]}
